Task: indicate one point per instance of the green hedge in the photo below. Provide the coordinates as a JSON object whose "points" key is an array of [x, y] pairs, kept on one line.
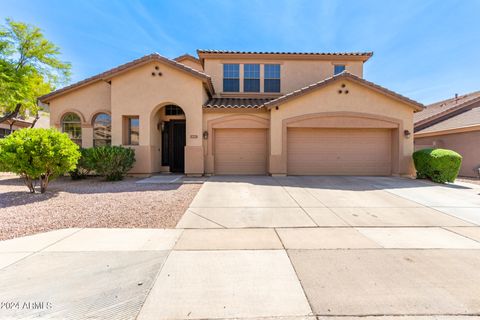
{"points": [[112, 162], [439, 165], [84, 165]]}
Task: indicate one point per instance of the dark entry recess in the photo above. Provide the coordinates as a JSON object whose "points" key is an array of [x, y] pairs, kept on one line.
{"points": [[173, 145]]}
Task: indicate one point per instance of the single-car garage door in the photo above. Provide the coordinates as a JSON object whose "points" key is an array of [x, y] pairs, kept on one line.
{"points": [[319, 151], [240, 151]]}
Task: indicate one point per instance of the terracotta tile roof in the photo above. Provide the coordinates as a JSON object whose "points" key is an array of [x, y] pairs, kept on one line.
{"points": [[186, 56], [127, 66], [444, 107], [366, 54], [344, 75], [465, 119], [232, 103]]}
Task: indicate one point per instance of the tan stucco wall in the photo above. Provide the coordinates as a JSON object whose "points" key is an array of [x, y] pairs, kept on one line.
{"points": [[86, 101], [138, 93], [360, 101], [467, 144], [294, 74]]}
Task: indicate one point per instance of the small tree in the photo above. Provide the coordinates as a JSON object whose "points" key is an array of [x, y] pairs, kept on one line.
{"points": [[29, 68], [41, 154]]}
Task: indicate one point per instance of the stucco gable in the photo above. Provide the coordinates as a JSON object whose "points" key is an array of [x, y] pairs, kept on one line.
{"points": [[107, 75], [348, 77]]}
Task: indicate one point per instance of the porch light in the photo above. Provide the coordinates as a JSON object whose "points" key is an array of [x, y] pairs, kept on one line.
{"points": [[205, 135], [407, 133], [162, 125]]}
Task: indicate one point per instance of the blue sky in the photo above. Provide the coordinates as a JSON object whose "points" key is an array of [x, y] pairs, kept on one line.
{"points": [[426, 50]]}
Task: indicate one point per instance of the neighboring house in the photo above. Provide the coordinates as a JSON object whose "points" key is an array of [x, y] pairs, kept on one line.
{"points": [[452, 124], [229, 112], [14, 124]]}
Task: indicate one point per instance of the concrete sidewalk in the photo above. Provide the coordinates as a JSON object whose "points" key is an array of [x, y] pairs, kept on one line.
{"points": [[242, 273]]}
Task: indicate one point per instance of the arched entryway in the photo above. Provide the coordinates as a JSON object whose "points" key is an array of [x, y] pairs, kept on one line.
{"points": [[171, 138]]}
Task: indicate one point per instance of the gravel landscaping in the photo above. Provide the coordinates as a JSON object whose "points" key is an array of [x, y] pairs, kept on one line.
{"points": [[90, 203]]}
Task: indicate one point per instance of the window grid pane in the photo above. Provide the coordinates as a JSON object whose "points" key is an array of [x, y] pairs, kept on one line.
{"points": [[172, 110], [272, 71], [231, 77], [251, 78], [231, 85], [272, 78], [231, 71], [251, 71], [71, 125], [338, 68]]}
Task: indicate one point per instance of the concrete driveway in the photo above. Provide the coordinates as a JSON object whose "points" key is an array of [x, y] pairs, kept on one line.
{"points": [[266, 248]]}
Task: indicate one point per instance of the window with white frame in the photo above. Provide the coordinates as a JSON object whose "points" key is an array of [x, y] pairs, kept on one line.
{"points": [[231, 77], [72, 125], [271, 78], [251, 78]]}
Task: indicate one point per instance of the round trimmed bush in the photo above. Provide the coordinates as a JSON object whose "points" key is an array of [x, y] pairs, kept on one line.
{"points": [[439, 165], [37, 153]]}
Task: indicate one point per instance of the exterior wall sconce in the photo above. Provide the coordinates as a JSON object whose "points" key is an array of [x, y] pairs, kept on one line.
{"points": [[407, 134], [161, 126], [205, 135]]}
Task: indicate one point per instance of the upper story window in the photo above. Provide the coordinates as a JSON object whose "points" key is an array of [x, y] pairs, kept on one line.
{"points": [[272, 78], [102, 130], [251, 78], [71, 125], [172, 110], [338, 68], [231, 77]]}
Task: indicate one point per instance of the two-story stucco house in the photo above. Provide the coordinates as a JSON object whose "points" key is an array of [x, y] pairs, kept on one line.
{"points": [[229, 112]]}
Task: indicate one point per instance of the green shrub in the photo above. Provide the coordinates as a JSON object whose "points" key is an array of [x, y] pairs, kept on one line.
{"points": [[440, 165], [84, 165], [112, 162], [37, 153]]}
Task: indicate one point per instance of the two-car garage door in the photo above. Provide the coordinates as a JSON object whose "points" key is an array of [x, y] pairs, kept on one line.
{"points": [[325, 151], [310, 151]]}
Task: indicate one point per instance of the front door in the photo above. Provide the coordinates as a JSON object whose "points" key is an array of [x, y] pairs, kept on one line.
{"points": [[177, 142]]}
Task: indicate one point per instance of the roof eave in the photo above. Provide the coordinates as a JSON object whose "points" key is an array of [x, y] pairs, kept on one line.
{"points": [[420, 134], [109, 74], [344, 75], [438, 115], [364, 56]]}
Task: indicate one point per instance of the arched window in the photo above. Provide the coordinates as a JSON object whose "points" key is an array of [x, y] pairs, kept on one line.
{"points": [[71, 125], [102, 130]]}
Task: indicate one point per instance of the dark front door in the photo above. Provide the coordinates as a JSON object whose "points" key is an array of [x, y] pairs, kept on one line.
{"points": [[177, 142]]}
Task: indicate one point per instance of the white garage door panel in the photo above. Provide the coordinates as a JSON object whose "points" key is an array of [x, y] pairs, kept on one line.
{"points": [[339, 151], [240, 151]]}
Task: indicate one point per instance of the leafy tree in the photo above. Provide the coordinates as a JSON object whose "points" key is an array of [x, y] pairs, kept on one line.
{"points": [[38, 154], [29, 68]]}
